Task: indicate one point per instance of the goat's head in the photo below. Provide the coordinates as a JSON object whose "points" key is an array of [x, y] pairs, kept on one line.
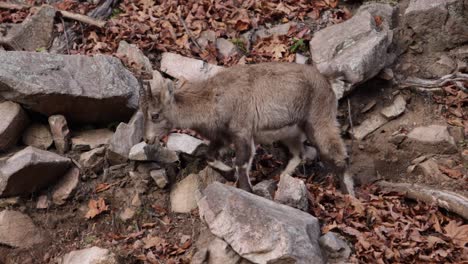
{"points": [[154, 106]]}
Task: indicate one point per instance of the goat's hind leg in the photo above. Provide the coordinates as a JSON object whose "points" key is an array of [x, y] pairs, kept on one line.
{"points": [[245, 152]]}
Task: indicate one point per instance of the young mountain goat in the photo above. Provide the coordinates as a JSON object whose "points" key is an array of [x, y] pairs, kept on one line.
{"points": [[248, 104]]}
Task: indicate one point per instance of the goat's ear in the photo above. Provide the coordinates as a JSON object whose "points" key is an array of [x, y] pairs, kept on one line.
{"points": [[167, 93]]}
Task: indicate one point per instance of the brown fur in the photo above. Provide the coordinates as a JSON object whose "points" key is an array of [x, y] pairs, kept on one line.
{"points": [[262, 103]]}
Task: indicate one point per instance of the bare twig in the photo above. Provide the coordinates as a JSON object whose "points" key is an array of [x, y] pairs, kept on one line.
{"points": [[6, 5], [187, 30], [83, 18], [449, 200], [66, 35], [350, 119], [419, 84]]}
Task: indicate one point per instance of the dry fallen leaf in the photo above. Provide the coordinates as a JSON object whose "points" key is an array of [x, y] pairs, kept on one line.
{"points": [[152, 241], [452, 173], [457, 232], [102, 187], [96, 207]]}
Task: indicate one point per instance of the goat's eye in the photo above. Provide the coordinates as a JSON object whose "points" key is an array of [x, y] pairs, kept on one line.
{"points": [[155, 117]]}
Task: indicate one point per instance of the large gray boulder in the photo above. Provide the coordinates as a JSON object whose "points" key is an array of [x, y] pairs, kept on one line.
{"points": [[356, 50], [18, 230], [438, 24], [29, 170], [181, 67], [36, 31], [258, 229], [82, 88], [12, 123]]}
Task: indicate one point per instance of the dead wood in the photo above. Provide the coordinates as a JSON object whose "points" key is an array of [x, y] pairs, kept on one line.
{"points": [[450, 201], [458, 79]]}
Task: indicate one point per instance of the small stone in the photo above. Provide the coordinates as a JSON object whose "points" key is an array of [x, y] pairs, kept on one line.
{"points": [[136, 201], [38, 135], [186, 193], [301, 59], [464, 155], [65, 186], [184, 239], [397, 138], [458, 133], [183, 143], [430, 170], [206, 37], [386, 74], [42, 202], [94, 159], [265, 189], [189, 69], [395, 109], [368, 106], [279, 30], [336, 248], [292, 192], [135, 56], [226, 48], [60, 133], [431, 139], [124, 138], [93, 255], [18, 230], [91, 139], [160, 178], [14, 120], [368, 126], [30, 170], [127, 214]]}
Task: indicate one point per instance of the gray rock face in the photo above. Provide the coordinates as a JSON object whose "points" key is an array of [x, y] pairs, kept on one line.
{"points": [[38, 135], [431, 139], [66, 186], [160, 178], [92, 255], [14, 120], [30, 170], [337, 249], [135, 56], [258, 229], [124, 138], [90, 139], [213, 250], [34, 33], [292, 192], [395, 109], [438, 24], [84, 89], [60, 133], [355, 50], [189, 69], [18, 230]]}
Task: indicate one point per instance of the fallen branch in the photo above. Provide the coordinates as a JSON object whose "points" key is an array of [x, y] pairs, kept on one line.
{"points": [[451, 201], [83, 18], [66, 14], [187, 30], [456, 79]]}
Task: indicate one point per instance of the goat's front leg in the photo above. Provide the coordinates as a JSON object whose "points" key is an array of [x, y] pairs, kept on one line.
{"points": [[245, 152], [214, 160]]}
